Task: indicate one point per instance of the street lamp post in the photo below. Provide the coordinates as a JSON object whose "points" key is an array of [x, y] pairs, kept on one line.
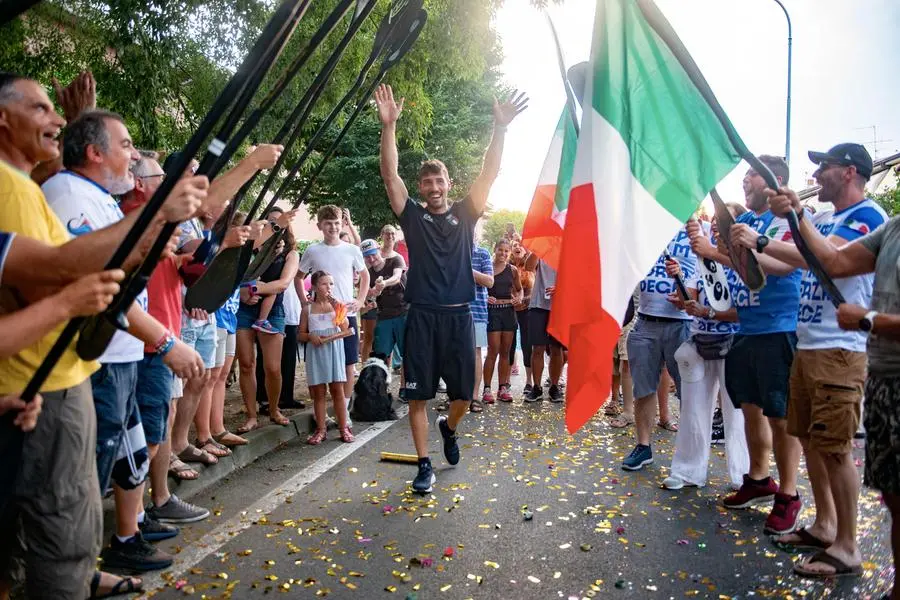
{"points": [[787, 131]]}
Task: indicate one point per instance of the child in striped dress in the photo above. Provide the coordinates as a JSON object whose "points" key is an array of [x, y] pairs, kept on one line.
{"points": [[322, 327]]}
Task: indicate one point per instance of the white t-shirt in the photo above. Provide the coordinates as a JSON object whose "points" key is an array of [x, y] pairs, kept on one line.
{"points": [[657, 285], [83, 206], [291, 304], [342, 261], [817, 327]]}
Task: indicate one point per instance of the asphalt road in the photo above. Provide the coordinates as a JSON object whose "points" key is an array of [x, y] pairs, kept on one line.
{"points": [[334, 521]]}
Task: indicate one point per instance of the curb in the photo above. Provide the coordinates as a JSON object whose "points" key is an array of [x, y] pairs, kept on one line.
{"points": [[262, 441]]}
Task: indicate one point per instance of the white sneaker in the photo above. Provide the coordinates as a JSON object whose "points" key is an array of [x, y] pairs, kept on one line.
{"points": [[442, 387], [676, 483]]}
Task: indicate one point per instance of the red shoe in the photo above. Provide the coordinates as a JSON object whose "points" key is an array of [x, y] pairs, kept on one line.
{"points": [[487, 397], [504, 394], [316, 438], [751, 493], [783, 518]]}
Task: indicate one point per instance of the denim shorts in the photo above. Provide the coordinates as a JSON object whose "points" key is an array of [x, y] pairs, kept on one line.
{"points": [[388, 334], [115, 400], [154, 396], [480, 335], [247, 316], [202, 339]]}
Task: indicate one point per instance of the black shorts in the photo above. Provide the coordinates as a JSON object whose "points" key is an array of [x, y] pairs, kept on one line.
{"points": [[439, 343], [501, 318], [351, 344], [538, 318], [882, 470], [758, 371]]}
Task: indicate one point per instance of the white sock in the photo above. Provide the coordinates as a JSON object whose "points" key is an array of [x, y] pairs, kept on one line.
{"points": [[140, 518], [124, 539]]}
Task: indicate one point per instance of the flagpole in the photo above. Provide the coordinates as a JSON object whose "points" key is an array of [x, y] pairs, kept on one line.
{"points": [[570, 98], [787, 129]]}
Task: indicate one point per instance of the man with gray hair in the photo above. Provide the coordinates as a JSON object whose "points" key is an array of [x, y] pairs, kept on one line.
{"points": [[97, 154]]}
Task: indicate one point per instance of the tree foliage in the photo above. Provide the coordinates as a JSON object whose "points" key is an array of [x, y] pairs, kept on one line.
{"points": [[889, 200], [161, 64], [496, 222]]}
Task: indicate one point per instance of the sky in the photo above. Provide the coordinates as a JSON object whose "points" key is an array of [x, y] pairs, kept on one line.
{"points": [[845, 77]]}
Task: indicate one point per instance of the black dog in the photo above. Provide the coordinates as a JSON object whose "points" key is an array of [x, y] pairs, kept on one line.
{"points": [[371, 399]]}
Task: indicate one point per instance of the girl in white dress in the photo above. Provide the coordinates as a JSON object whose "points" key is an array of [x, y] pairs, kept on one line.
{"points": [[322, 327]]}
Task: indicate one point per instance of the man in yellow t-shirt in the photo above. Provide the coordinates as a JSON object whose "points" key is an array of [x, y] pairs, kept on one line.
{"points": [[54, 486]]}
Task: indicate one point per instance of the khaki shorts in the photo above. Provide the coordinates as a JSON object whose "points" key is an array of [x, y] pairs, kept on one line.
{"points": [[622, 343], [826, 394], [51, 531]]}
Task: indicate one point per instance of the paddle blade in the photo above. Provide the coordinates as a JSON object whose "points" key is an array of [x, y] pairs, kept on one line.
{"points": [[742, 259], [216, 284], [263, 258], [405, 40], [96, 334]]}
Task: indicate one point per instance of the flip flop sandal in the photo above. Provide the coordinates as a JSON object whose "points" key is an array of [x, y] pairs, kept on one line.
{"points": [[669, 425], [193, 454], [213, 447], [841, 569], [807, 542], [230, 440], [181, 471], [125, 585], [621, 422], [247, 429], [476, 406], [613, 411], [280, 419]]}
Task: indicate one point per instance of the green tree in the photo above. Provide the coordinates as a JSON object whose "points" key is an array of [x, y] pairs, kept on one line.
{"points": [[496, 222], [889, 200]]}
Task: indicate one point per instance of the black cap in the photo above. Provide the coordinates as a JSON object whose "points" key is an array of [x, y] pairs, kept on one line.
{"points": [[848, 155]]}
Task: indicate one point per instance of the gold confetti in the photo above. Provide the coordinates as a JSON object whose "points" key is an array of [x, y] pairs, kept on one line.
{"points": [[557, 575], [272, 577], [533, 579], [444, 588], [491, 564], [391, 588], [222, 575]]}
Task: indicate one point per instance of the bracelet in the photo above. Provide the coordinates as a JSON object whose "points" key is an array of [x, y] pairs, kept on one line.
{"points": [[166, 346], [162, 340]]}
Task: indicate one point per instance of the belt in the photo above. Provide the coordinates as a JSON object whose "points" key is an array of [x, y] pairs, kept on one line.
{"points": [[653, 319]]}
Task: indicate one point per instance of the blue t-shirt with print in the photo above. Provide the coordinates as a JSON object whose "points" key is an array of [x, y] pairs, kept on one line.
{"points": [[657, 285], [712, 326], [773, 309], [226, 316], [481, 262]]}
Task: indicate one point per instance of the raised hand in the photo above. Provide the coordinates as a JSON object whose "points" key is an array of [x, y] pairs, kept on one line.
{"points": [[236, 236], [186, 199], [505, 112], [78, 96], [265, 156], [388, 110]]}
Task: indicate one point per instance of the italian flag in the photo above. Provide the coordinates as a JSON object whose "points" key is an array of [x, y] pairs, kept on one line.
{"points": [[650, 150], [543, 228]]}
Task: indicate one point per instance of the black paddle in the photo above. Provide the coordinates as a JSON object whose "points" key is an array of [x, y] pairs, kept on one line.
{"points": [[228, 260], [679, 282], [743, 261], [267, 253], [209, 248], [221, 279], [99, 330], [662, 28]]}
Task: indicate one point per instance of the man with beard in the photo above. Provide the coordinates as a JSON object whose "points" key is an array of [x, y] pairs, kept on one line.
{"points": [[829, 371], [56, 493], [440, 283], [758, 366], [97, 154]]}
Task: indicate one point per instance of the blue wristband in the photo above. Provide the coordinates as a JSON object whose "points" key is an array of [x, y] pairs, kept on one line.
{"points": [[166, 347]]}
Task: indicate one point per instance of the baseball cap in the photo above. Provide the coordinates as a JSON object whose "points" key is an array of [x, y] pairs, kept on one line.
{"points": [[369, 247], [848, 155]]}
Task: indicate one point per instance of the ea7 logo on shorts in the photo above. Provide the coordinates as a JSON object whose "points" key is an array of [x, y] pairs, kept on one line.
{"points": [[410, 385]]}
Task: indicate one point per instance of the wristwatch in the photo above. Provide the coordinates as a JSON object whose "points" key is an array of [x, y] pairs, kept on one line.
{"points": [[867, 323], [761, 243], [276, 227], [711, 313]]}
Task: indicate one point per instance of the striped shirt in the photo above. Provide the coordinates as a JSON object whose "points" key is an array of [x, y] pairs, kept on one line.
{"points": [[481, 262]]}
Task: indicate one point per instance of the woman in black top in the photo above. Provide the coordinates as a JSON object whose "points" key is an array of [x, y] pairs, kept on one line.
{"points": [[507, 292]]}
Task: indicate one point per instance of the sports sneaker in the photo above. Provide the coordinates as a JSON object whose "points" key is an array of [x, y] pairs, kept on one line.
{"points": [[486, 396], [505, 395], [451, 447], [751, 493], [154, 531], [176, 510], [264, 326], [442, 387], [527, 389], [640, 456], [718, 428], [135, 554], [555, 394], [401, 395], [425, 479], [783, 518], [535, 394]]}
